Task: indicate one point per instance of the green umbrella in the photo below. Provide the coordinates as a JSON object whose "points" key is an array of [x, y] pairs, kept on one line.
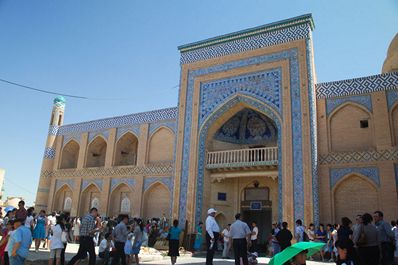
{"points": [[290, 252]]}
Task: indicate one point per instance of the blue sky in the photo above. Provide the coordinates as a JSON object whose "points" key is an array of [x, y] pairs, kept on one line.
{"points": [[128, 49]]}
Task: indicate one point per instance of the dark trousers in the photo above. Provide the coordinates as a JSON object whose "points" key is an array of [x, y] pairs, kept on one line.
{"points": [[6, 259], [387, 253], [253, 247], [86, 244], [240, 250], [119, 254], [210, 252], [369, 255]]}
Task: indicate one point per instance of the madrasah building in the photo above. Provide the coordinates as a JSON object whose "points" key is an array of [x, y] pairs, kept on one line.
{"points": [[253, 132]]}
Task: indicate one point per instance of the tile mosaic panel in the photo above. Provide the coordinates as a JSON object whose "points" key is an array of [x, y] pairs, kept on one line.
{"points": [[265, 86], [167, 181], [337, 174], [355, 86], [53, 130], [133, 129], [128, 181], [60, 182], [45, 190], [49, 153], [86, 182], [333, 103], [359, 156], [392, 98], [74, 136], [92, 135], [172, 125]]}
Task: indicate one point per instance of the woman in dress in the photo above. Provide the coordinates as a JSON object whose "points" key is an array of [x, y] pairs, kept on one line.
{"points": [[39, 233], [138, 234], [76, 229], [174, 242], [199, 237]]}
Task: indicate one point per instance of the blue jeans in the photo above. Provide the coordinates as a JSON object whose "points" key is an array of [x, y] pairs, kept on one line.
{"points": [[17, 260]]}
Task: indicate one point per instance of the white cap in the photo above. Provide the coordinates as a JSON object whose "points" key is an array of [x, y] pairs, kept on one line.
{"points": [[211, 210]]}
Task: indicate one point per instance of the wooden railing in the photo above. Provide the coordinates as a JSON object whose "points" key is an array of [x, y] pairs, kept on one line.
{"points": [[242, 157]]}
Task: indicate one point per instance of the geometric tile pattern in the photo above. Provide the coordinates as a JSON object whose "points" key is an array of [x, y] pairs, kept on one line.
{"points": [[49, 153], [158, 169], [333, 103], [122, 130], [251, 39], [53, 130], [74, 136], [338, 173], [120, 121], [148, 181], [359, 156], [60, 182], [96, 182], [129, 181], [362, 85], [172, 125], [392, 97], [92, 135], [266, 86]]}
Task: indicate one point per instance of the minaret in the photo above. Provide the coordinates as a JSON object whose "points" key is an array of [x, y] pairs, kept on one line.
{"points": [[43, 190]]}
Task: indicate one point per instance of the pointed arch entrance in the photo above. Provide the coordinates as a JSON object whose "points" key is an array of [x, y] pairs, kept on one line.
{"points": [[121, 200], [63, 199], [90, 197], [156, 201]]}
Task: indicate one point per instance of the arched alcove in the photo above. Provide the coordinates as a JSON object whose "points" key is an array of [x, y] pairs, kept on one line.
{"points": [[394, 124], [61, 198], [351, 129], [156, 201], [70, 155], [88, 198], [161, 146], [354, 195], [121, 200], [126, 150], [96, 153]]}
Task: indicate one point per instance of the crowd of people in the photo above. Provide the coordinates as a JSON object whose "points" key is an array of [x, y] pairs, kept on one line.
{"points": [[369, 241]]}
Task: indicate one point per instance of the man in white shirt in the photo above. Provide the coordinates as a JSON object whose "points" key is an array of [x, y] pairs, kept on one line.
{"points": [[226, 237], [212, 235], [240, 234]]}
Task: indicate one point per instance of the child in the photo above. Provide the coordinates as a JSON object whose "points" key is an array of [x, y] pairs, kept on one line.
{"points": [[128, 247], [104, 250]]}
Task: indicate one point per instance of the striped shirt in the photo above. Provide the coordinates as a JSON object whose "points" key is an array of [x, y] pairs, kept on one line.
{"points": [[87, 225]]}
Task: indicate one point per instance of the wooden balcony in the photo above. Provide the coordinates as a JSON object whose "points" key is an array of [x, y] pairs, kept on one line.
{"points": [[242, 158]]}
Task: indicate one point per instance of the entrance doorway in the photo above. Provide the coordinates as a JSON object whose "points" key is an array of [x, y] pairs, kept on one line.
{"points": [[263, 220]]}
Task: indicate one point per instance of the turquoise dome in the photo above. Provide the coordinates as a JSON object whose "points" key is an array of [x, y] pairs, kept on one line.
{"points": [[59, 101]]}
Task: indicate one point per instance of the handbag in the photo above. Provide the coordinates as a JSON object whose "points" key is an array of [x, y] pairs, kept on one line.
{"points": [[362, 238]]}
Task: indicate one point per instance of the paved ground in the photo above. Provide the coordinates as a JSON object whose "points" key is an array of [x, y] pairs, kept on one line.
{"points": [[149, 256]]}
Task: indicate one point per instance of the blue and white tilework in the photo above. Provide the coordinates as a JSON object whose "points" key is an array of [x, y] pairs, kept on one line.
{"points": [[355, 86], [265, 86], [291, 55], [49, 153], [172, 125], [121, 121], [87, 182], [392, 98], [333, 103], [61, 182], [53, 130], [337, 174], [128, 181], [313, 129], [45, 190], [92, 135], [167, 181], [254, 41], [133, 129]]}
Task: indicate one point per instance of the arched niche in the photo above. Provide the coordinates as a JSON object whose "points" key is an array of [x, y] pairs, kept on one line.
{"points": [[351, 128], [126, 150], [61, 198], [354, 194], [96, 153], [161, 146], [156, 201], [394, 124], [89, 197], [121, 200], [70, 155]]}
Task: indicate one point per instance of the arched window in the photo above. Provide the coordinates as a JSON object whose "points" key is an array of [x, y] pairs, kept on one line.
{"points": [[70, 155], [126, 150], [96, 153]]}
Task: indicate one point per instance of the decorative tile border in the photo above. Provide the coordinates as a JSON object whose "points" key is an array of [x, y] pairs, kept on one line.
{"points": [[172, 125], [359, 156], [158, 169], [133, 129], [251, 39], [355, 86], [45, 190], [60, 182], [120, 121], [74, 136], [92, 135], [265, 86], [333, 103], [53, 130], [49, 153], [128, 181], [337, 174], [392, 98], [86, 182]]}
